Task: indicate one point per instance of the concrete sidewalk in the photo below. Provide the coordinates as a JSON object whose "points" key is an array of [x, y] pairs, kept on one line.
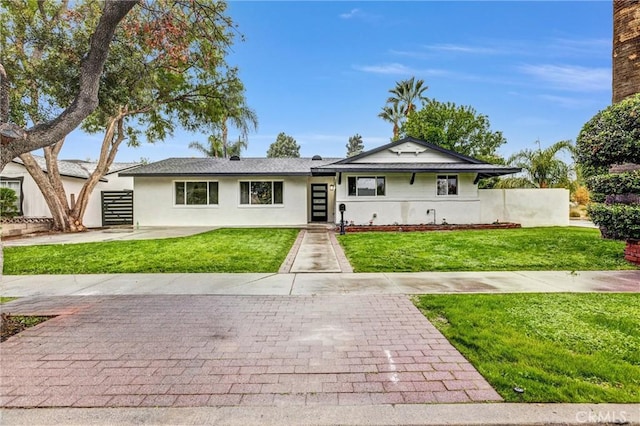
{"points": [[321, 283], [398, 414]]}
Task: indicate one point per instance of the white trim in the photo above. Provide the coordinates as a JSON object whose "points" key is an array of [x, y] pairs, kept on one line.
{"points": [[448, 175], [253, 206], [197, 206]]}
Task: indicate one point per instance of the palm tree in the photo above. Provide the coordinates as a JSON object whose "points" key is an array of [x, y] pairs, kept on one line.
{"points": [[236, 113], [406, 93], [626, 45], [213, 148], [541, 168], [393, 114]]}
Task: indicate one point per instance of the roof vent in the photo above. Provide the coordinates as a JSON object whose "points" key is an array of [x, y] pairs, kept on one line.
{"points": [[234, 158], [316, 157]]}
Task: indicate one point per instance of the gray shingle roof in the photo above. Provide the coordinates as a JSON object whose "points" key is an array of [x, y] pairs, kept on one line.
{"points": [[227, 167], [77, 168]]}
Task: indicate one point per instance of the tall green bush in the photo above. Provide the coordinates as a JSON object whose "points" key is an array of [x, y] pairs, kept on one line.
{"points": [[8, 202], [612, 137]]}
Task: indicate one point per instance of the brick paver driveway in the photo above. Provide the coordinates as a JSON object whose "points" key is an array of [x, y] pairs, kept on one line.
{"points": [[128, 351]]}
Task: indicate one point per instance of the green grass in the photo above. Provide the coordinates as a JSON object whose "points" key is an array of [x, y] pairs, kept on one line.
{"points": [[529, 249], [557, 347], [223, 250]]}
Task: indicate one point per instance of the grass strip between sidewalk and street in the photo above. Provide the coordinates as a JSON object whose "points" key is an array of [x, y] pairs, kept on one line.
{"points": [[524, 249], [222, 250], [573, 348]]}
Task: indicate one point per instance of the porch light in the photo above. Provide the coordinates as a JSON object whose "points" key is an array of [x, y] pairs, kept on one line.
{"points": [[332, 187]]}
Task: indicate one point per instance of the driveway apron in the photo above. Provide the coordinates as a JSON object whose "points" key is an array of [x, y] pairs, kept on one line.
{"points": [[181, 350]]}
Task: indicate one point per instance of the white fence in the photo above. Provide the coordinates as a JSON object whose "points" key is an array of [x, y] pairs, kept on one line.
{"points": [[528, 207]]}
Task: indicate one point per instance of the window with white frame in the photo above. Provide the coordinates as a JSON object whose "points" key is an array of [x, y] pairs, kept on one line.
{"points": [[16, 185], [196, 193], [261, 192], [447, 184], [366, 186]]}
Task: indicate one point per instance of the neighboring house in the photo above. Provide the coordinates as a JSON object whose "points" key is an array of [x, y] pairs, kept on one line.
{"points": [[74, 173], [406, 182]]}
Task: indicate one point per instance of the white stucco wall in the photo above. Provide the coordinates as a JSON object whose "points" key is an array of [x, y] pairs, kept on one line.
{"points": [[528, 207], [34, 204], [404, 203], [154, 204]]}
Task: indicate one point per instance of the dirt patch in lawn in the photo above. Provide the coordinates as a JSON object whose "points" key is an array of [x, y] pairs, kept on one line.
{"points": [[10, 325]]}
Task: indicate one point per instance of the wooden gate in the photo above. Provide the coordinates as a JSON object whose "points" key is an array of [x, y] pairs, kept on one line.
{"points": [[117, 208]]}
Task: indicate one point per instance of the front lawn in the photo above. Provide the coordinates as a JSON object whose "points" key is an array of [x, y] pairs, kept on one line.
{"points": [[554, 347], [222, 250], [526, 249]]}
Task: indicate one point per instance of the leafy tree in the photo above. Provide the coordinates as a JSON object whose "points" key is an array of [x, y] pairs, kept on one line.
{"points": [[15, 138], [166, 69], [284, 146], [541, 167], [8, 202], [355, 145], [239, 115], [392, 113], [458, 128], [406, 93], [608, 147]]}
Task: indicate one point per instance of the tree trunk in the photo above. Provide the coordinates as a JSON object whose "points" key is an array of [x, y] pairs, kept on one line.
{"points": [[626, 49], [113, 137], [55, 200]]}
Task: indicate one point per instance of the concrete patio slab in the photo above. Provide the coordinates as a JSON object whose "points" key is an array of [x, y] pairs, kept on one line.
{"points": [[109, 234], [136, 351]]}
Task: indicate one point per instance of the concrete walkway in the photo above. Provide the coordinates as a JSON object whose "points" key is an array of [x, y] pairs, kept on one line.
{"points": [[321, 283], [316, 250]]}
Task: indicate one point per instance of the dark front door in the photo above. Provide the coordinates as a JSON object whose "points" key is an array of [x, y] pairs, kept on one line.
{"points": [[319, 202]]}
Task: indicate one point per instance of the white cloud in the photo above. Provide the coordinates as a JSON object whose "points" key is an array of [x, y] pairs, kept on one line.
{"points": [[351, 14], [570, 77], [399, 69], [460, 48], [564, 101], [393, 68]]}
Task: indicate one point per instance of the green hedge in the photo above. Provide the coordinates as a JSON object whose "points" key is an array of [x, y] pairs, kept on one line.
{"points": [[613, 184], [612, 136], [617, 221]]}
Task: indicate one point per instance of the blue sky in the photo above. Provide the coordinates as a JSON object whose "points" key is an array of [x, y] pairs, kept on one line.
{"points": [[320, 71]]}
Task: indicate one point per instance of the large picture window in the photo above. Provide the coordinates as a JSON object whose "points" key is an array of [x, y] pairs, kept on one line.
{"points": [[196, 193], [366, 186], [261, 192], [447, 184]]}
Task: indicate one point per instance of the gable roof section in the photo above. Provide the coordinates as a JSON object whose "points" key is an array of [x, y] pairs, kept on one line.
{"points": [[362, 155], [464, 164], [227, 167]]}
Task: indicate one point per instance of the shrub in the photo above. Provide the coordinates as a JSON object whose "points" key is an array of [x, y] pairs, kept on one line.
{"points": [[581, 195], [574, 213], [612, 137], [8, 202], [617, 221]]}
